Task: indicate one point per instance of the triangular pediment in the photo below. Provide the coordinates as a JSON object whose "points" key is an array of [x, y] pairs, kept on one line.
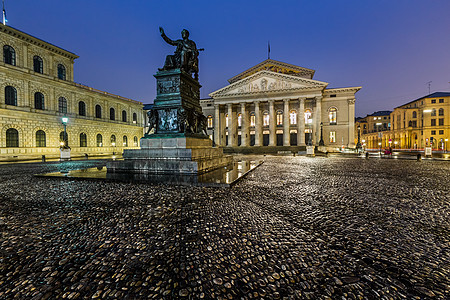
{"points": [[276, 67], [268, 82]]}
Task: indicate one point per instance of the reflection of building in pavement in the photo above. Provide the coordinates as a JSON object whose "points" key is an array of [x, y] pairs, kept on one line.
{"points": [[278, 104]]}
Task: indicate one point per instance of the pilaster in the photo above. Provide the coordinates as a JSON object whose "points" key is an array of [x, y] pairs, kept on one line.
{"points": [[244, 126], [258, 124], [272, 125], [217, 127]]}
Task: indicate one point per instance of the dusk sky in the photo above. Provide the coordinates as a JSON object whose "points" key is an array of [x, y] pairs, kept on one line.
{"points": [[390, 48]]}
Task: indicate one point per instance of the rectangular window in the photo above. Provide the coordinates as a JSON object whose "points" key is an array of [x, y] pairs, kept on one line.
{"points": [[433, 101], [266, 120], [332, 136], [441, 132], [441, 100], [433, 132], [433, 122], [441, 122], [252, 120]]}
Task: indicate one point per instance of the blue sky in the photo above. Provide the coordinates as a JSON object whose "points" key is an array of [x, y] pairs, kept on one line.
{"points": [[390, 48]]}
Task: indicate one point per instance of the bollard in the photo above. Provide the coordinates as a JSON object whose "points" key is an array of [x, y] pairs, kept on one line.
{"points": [[43, 158], [419, 157], [367, 154]]}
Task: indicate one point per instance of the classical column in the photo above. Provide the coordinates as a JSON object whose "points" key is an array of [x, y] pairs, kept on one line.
{"points": [[351, 122], [286, 133], [301, 122], [223, 129], [317, 119], [217, 131], [231, 126], [272, 124], [258, 125], [245, 137]]}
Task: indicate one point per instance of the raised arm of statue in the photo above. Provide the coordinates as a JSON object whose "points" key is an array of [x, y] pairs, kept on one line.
{"points": [[164, 36]]}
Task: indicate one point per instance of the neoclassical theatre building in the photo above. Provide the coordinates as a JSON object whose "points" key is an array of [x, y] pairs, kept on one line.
{"points": [[38, 90], [277, 104]]}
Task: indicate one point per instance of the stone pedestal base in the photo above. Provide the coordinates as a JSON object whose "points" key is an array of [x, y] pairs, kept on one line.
{"points": [[171, 155], [310, 150]]}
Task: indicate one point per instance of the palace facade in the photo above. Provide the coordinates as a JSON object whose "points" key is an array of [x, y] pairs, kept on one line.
{"points": [[276, 104], [38, 90]]}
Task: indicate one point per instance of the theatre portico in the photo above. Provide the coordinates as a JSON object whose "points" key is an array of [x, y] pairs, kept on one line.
{"points": [[278, 104]]}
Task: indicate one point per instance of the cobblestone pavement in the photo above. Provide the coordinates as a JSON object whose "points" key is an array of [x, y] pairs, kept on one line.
{"points": [[295, 228]]}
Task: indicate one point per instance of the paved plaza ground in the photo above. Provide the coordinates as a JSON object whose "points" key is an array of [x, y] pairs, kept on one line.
{"points": [[295, 228]]}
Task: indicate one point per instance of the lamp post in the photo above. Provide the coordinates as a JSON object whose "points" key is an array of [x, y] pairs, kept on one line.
{"points": [[64, 121], [379, 144], [321, 143], [358, 145]]}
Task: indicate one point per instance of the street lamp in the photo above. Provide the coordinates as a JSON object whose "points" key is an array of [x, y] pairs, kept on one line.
{"points": [[64, 142], [379, 144], [395, 144], [321, 142], [446, 140], [358, 145]]}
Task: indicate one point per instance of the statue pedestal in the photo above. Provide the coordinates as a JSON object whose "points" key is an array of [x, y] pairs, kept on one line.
{"points": [[179, 145], [310, 150]]}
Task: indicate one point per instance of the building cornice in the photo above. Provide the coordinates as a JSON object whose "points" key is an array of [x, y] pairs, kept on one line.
{"points": [[342, 90], [35, 41]]}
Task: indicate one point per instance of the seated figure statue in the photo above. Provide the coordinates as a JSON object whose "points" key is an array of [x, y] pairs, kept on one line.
{"points": [[185, 56]]}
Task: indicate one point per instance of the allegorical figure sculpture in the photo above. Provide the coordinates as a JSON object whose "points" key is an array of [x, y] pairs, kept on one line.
{"points": [[185, 56]]}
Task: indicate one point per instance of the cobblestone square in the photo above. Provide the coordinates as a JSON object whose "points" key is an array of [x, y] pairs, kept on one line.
{"points": [[294, 228]]}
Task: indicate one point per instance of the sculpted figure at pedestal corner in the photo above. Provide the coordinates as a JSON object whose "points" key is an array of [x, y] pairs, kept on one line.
{"points": [[185, 56]]}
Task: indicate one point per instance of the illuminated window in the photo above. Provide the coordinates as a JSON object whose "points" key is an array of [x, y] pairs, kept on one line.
{"points": [[239, 120], [210, 121], [332, 136], [99, 140], [134, 118], [433, 112], [293, 117], [9, 55], [38, 64], [38, 100], [62, 105], [252, 119], [61, 72], [135, 139], [125, 141], [332, 115], [226, 120], [12, 138], [308, 116], [40, 138], [83, 140], [266, 119], [279, 117], [113, 140]]}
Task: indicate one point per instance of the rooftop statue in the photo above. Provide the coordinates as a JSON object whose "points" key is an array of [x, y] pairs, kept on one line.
{"points": [[185, 56]]}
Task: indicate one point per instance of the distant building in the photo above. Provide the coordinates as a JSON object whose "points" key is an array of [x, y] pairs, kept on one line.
{"points": [[372, 128], [38, 89], [276, 104]]}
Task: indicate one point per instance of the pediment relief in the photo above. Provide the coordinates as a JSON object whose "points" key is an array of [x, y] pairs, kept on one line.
{"points": [[268, 82]]}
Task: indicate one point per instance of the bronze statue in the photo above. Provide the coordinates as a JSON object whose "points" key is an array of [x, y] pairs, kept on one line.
{"points": [[185, 56], [152, 119]]}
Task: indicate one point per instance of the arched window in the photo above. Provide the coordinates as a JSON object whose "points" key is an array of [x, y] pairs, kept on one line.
{"points": [[252, 119], [112, 114], [441, 111], [293, 117], [125, 141], [332, 115], [210, 121], [433, 112], [64, 139], [61, 72], [414, 115], [99, 140], [113, 140], [9, 55], [98, 111], [266, 119], [83, 139], [226, 121], [239, 120], [134, 118], [308, 116], [12, 138], [124, 116], [279, 118], [40, 139], [135, 139], [82, 108], [10, 95], [38, 100], [62, 105], [38, 64]]}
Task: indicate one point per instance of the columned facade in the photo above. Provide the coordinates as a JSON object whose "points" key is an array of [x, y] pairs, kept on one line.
{"points": [[276, 104]]}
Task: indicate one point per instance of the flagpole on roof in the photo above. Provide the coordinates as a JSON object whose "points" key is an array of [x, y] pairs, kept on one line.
{"points": [[268, 49], [4, 13]]}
